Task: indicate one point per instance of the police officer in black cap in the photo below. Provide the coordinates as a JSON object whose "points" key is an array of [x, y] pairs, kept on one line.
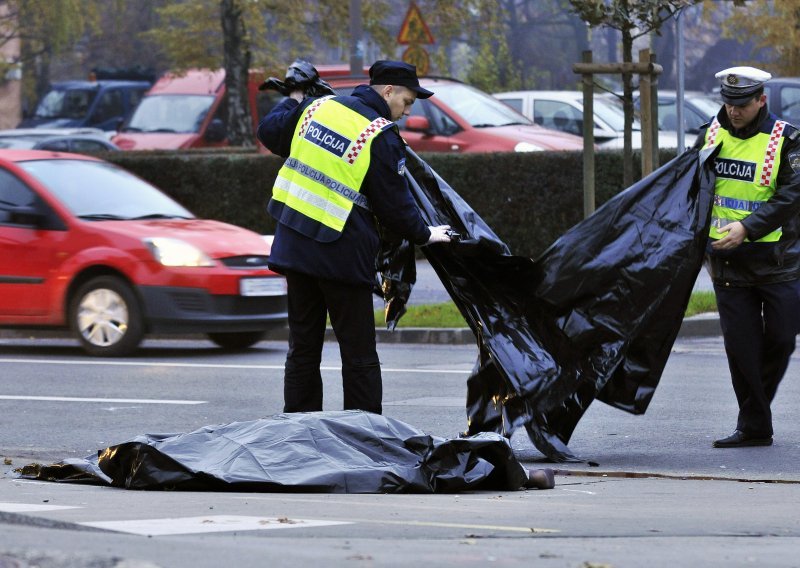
{"points": [[344, 170], [754, 252]]}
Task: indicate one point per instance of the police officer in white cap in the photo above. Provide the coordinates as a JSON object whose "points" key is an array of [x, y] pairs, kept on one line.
{"points": [[754, 251]]}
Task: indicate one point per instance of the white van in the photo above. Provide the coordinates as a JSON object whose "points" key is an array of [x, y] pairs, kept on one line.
{"points": [[563, 110]]}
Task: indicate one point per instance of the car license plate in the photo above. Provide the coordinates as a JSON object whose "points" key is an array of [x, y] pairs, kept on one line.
{"points": [[272, 286]]}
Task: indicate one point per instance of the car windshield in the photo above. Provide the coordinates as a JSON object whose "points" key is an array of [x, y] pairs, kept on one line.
{"points": [[612, 114], [170, 113], [99, 190], [609, 108], [476, 107], [706, 105], [71, 103]]}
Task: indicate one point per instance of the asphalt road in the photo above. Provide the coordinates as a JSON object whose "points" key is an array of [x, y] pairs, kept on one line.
{"points": [[652, 491]]}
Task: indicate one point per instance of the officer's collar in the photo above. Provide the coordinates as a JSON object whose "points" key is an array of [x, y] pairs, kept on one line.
{"points": [[374, 100]]}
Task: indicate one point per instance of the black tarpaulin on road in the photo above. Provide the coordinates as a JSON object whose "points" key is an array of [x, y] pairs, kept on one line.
{"points": [[331, 452], [595, 316]]}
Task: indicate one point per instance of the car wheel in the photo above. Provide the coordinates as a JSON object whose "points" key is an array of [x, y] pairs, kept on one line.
{"points": [[106, 317], [236, 340]]}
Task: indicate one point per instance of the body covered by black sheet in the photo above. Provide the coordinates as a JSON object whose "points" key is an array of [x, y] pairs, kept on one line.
{"points": [[595, 316], [333, 452]]}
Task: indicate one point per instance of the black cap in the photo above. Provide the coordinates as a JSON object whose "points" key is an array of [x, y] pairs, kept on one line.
{"points": [[397, 73]]}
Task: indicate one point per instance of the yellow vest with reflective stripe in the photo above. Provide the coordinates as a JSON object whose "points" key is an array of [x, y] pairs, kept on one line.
{"points": [[327, 164], [746, 170]]}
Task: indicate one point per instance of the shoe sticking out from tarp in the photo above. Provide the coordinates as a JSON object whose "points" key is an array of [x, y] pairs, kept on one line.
{"points": [[541, 479]]}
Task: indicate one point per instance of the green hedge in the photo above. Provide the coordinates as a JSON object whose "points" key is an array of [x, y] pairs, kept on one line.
{"points": [[528, 199]]}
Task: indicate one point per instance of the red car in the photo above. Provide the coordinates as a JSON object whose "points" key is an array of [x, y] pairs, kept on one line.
{"points": [[461, 119], [89, 246]]}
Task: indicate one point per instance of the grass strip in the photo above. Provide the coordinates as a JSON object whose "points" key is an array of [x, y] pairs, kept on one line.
{"points": [[447, 315]]}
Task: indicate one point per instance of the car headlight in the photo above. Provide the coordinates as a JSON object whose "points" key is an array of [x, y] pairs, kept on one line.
{"points": [[174, 252], [527, 147]]}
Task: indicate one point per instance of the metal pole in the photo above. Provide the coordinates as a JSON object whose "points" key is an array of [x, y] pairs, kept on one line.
{"points": [[588, 138], [356, 39], [679, 79]]}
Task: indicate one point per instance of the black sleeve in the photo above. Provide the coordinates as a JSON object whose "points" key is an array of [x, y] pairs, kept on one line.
{"points": [[277, 127], [785, 203], [387, 190]]}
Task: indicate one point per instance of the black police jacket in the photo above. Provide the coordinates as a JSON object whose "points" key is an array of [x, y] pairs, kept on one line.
{"points": [[350, 258], [753, 263]]}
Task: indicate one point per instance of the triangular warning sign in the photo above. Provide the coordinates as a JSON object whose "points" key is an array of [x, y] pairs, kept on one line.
{"points": [[414, 29]]}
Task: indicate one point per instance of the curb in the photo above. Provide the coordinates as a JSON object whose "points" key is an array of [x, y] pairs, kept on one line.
{"points": [[703, 325]]}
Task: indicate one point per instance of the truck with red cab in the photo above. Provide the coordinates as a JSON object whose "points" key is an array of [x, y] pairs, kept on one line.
{"points": [[188, 110]]}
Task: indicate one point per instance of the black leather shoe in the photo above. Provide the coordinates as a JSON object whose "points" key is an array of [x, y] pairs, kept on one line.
{"points": [[740, 440]]}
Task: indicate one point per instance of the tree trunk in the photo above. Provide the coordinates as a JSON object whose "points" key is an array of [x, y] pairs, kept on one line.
{"points": [[237, 69]]}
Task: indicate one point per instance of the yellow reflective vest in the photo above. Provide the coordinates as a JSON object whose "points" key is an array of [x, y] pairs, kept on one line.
{"points": [[746, 175], [320, 182]]}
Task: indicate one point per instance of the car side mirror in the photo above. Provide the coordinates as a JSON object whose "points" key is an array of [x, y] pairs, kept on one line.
{"points": [[25, 215], [418, 124], [216, 131]]}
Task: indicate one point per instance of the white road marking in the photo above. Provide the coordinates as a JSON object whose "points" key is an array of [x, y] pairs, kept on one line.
{"points": [[117, 400], [30, 508], [216, 366], [209, 524], [468, 526], [578, 491], [429, 401]]}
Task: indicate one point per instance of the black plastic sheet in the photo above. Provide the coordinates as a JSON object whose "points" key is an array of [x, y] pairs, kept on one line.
{"points": [[332, 452], [594, 317]]}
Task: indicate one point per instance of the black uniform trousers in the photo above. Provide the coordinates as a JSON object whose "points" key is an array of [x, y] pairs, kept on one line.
{"points": [[759, 325], [350, 308]]}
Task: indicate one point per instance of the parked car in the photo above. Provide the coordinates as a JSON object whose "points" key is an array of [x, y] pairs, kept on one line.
{"points": [[187, 110], [698, 109], [462, 119], [88, 246], [783, 98], [103, 104], [77, 140], [563, 110]]}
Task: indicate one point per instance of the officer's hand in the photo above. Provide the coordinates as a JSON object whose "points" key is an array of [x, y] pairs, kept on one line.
{"points": [[439, 234], [736, 236], [297, 95]]}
